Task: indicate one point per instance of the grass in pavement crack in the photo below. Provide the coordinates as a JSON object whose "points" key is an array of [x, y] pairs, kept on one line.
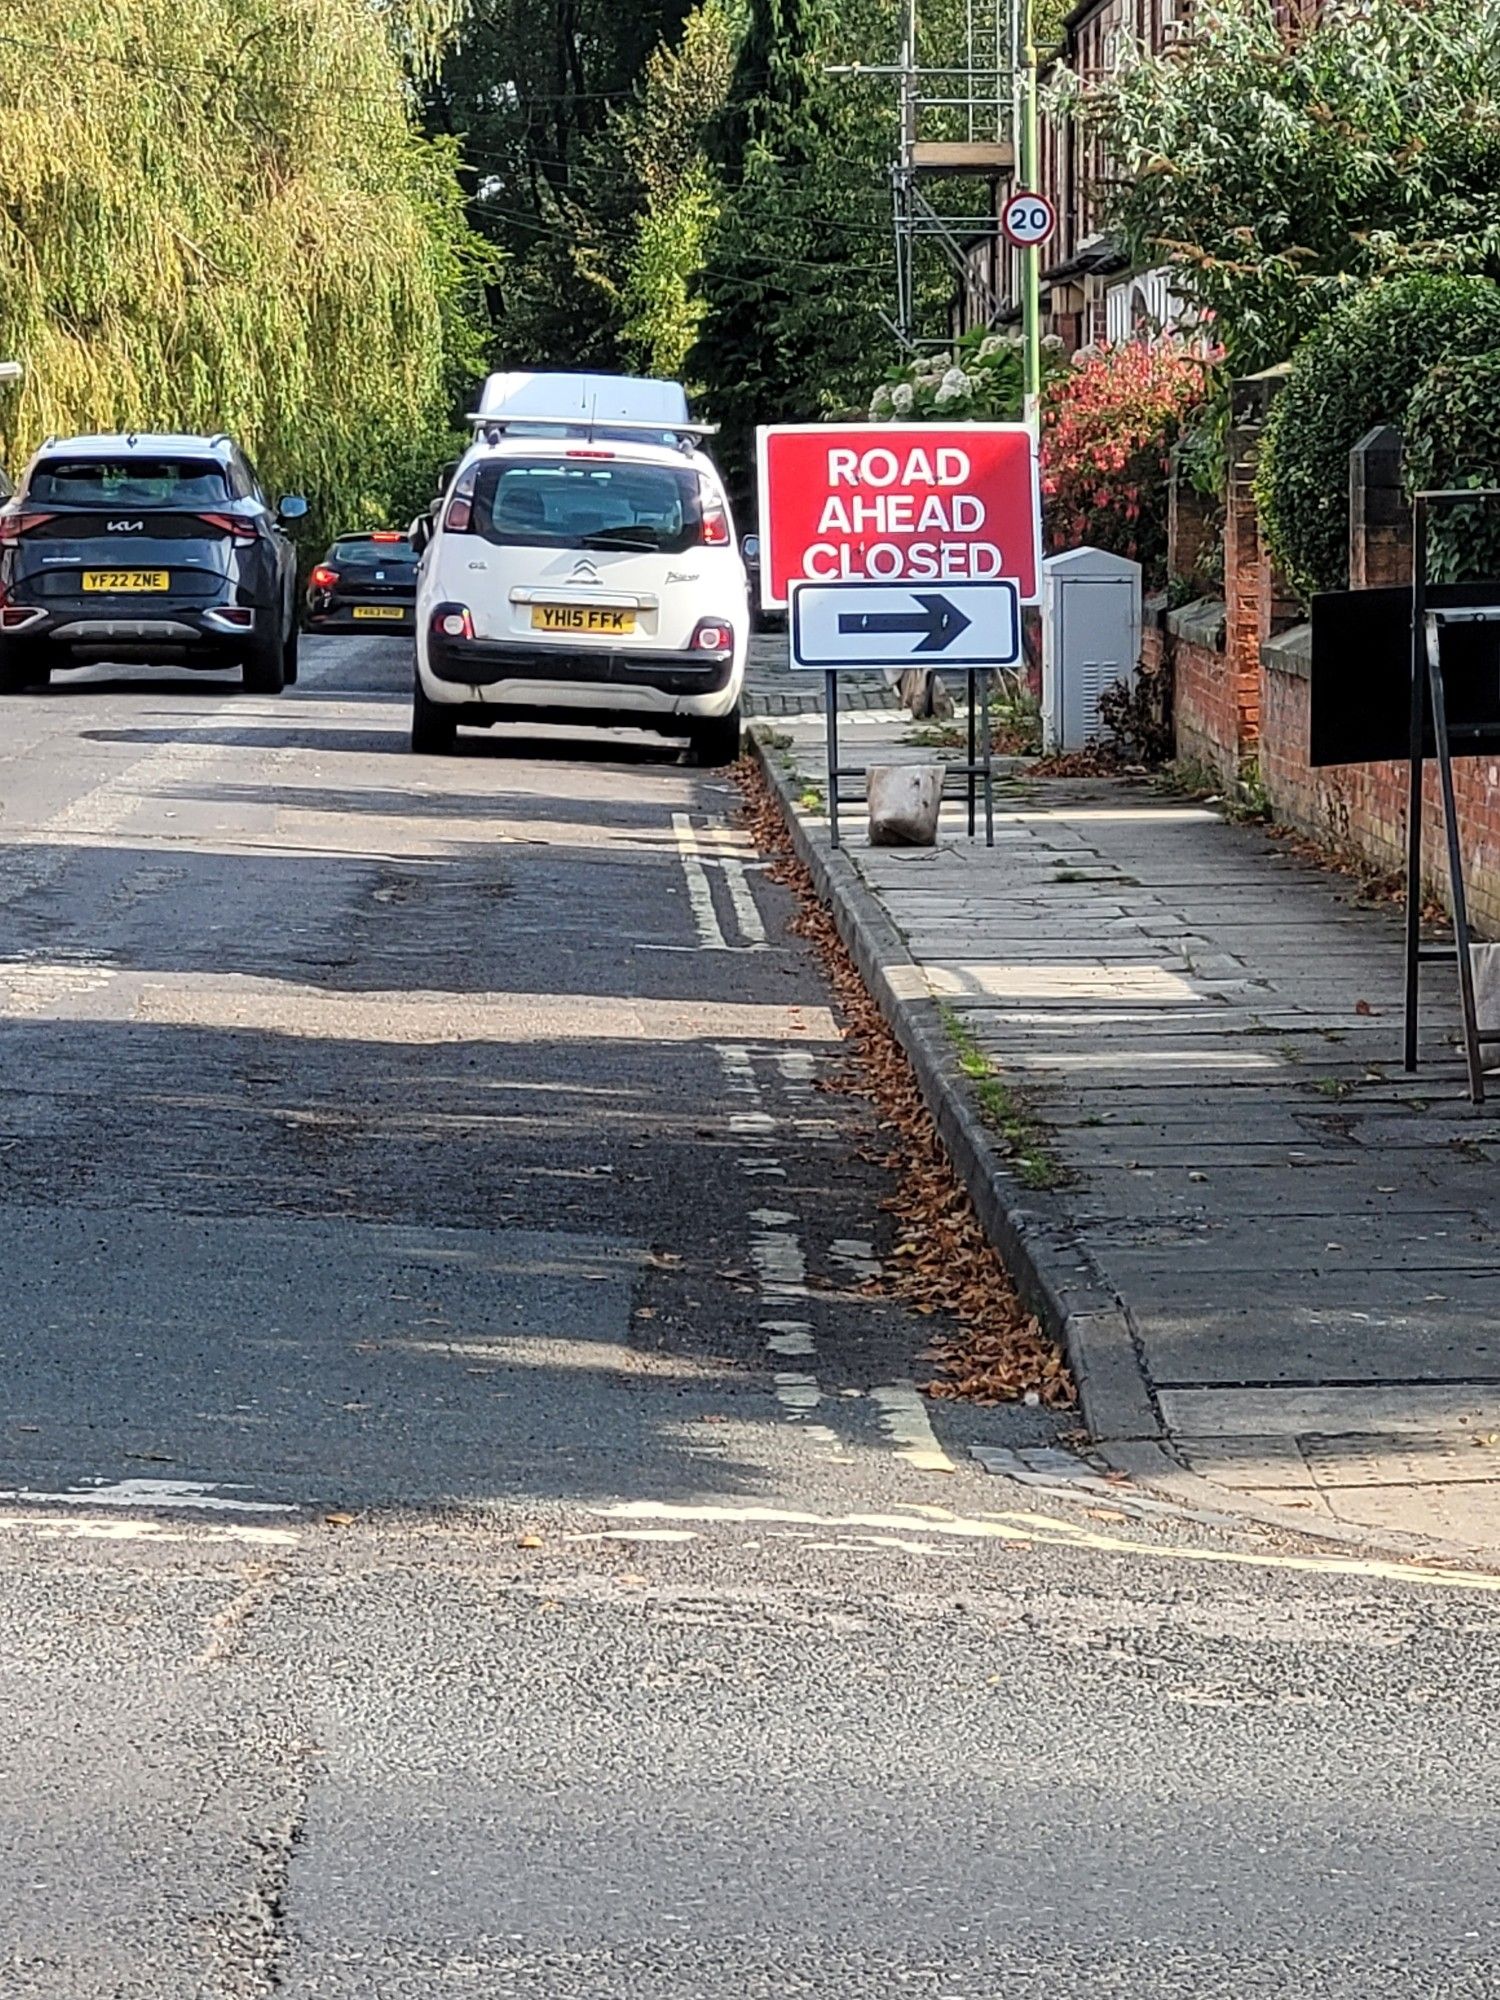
{"points": [[942, 1265], [1035, 1164]]}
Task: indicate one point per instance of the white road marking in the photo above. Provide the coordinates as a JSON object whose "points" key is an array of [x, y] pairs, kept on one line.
{"points": [[81, 1528], [700, 891], [777, 1255], [903, 1417], [798, 1069], [747, 915], [210, 1498], [858, 1253], [1052, 1531], [788, 1336], [796, 1392]]}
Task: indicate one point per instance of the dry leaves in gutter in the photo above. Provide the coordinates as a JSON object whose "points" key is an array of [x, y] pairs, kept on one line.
{"points": [[991, 1349]]}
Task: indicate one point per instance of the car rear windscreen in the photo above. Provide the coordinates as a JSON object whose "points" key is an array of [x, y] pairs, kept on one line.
{"points": [[129, 481], [361, 549], [587, 504]]}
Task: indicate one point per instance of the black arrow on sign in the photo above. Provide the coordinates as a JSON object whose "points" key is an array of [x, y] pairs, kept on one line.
{"points": [[939, 622]]}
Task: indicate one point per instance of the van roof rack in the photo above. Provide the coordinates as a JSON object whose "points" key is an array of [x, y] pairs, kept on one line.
{"points": [[496, 424]]}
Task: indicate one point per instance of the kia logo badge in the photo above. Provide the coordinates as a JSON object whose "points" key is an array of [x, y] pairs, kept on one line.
{"points": [[124, 527]]}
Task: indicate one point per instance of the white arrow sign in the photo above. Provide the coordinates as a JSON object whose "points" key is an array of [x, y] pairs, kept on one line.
{"points": [[915, 624]]}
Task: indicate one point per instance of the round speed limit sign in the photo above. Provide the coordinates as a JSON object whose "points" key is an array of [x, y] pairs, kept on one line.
{"points": [[1028, 219]]}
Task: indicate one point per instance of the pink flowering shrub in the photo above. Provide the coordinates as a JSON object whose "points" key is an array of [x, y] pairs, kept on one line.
{"points": [[1109, 423]]}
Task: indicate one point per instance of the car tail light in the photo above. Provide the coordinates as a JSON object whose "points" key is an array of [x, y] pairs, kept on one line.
{"points": [[453, 621], [714, 531], [460, 515], [579, 451], [321, 577], [235, 614], [232, 525], [14, 616], [387, 535], [13, 526], [712, 635]]}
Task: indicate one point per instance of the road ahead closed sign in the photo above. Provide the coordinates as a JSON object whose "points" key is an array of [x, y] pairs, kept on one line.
{"points": [[898, 503]]}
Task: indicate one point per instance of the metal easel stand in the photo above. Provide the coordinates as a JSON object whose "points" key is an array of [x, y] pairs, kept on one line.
{"points": [[978, 773], [1428, 623]]}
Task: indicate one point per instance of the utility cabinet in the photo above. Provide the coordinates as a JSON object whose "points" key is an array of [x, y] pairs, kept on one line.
{"points": [[1091, 638]]}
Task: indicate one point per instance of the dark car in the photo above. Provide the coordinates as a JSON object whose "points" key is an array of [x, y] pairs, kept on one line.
{"points": [[161, 549], [760, 619], [365, 583]]}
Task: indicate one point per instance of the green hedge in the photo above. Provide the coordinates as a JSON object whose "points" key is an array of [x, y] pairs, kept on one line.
{"points": [[1453, 439], [1359, 368]]}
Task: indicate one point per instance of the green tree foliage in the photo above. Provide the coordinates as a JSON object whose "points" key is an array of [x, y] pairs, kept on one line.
{"points": [[219, 214], [661, 146], [572, 115], [1358, 369], [1452, 434], [1281, 173], [795, 276]]}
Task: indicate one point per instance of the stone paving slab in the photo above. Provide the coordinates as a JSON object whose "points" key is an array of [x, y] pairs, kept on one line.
{"points": [[1207, 1031]]}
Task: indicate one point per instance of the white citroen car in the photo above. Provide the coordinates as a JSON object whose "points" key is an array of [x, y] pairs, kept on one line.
{"points": [[583, 563]]}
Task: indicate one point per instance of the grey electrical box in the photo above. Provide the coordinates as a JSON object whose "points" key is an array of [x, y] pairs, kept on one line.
{"points": [[1091, 637]]}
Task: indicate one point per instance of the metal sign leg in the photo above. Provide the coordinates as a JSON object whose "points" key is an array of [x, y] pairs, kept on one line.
{"points": [[989, 768], [1456, 888], [969, 775], [1413, 904], [831, 703], [1420, 669]]}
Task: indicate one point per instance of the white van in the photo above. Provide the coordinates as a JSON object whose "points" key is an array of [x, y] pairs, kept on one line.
{"points": [[583, 562]]}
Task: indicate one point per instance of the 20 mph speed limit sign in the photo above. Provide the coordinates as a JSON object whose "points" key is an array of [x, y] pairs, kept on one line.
{"points": [[1028, 219]]}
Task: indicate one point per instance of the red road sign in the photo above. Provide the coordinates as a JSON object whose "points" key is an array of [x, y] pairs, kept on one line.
{"points": [[924, 503], [1028, 219]]}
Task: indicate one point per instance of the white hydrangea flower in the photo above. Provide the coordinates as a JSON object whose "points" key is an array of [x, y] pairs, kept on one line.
{"points": [[881, 401], [902, 398], [953, 385], [1053, 343]]}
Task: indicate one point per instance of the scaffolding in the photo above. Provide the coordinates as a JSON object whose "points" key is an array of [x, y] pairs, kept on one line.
{"points": [[958, 128]]}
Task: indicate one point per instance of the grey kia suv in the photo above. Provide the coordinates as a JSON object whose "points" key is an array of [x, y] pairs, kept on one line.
{"points": [[153, 548]]}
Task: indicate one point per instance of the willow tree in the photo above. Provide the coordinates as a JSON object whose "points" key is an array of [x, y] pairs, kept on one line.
{"points": [[221, 214]]}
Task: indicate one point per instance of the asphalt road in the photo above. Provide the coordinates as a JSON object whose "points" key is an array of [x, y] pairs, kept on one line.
{"points": [[463, 1529]]}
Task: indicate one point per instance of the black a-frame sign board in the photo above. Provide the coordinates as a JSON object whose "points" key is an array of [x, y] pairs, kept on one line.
{"points": [[1413, 673]]}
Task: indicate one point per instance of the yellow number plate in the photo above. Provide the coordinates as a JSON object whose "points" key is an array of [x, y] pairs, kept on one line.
{"points": [[580, 618], [378, 611], [125, 579]]}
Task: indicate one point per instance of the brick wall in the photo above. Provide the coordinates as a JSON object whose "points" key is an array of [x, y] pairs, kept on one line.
{"points": [[1360, 809]]}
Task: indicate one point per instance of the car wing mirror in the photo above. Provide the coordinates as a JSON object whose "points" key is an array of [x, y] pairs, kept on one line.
{"points": [[419, 534], [291, 507]]}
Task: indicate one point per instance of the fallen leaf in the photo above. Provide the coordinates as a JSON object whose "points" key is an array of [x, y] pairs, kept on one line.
{"points": [[338, 1520], [1363, 1007], [528, 1541]]}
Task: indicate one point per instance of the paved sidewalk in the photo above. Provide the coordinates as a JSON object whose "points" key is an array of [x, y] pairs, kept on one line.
{"points": [[1274, 1252], [773, 689]]}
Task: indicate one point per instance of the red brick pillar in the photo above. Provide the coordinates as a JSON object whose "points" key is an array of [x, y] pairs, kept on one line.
{"points": [[1255, 599], [1379, 512], [1191, 529]]}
